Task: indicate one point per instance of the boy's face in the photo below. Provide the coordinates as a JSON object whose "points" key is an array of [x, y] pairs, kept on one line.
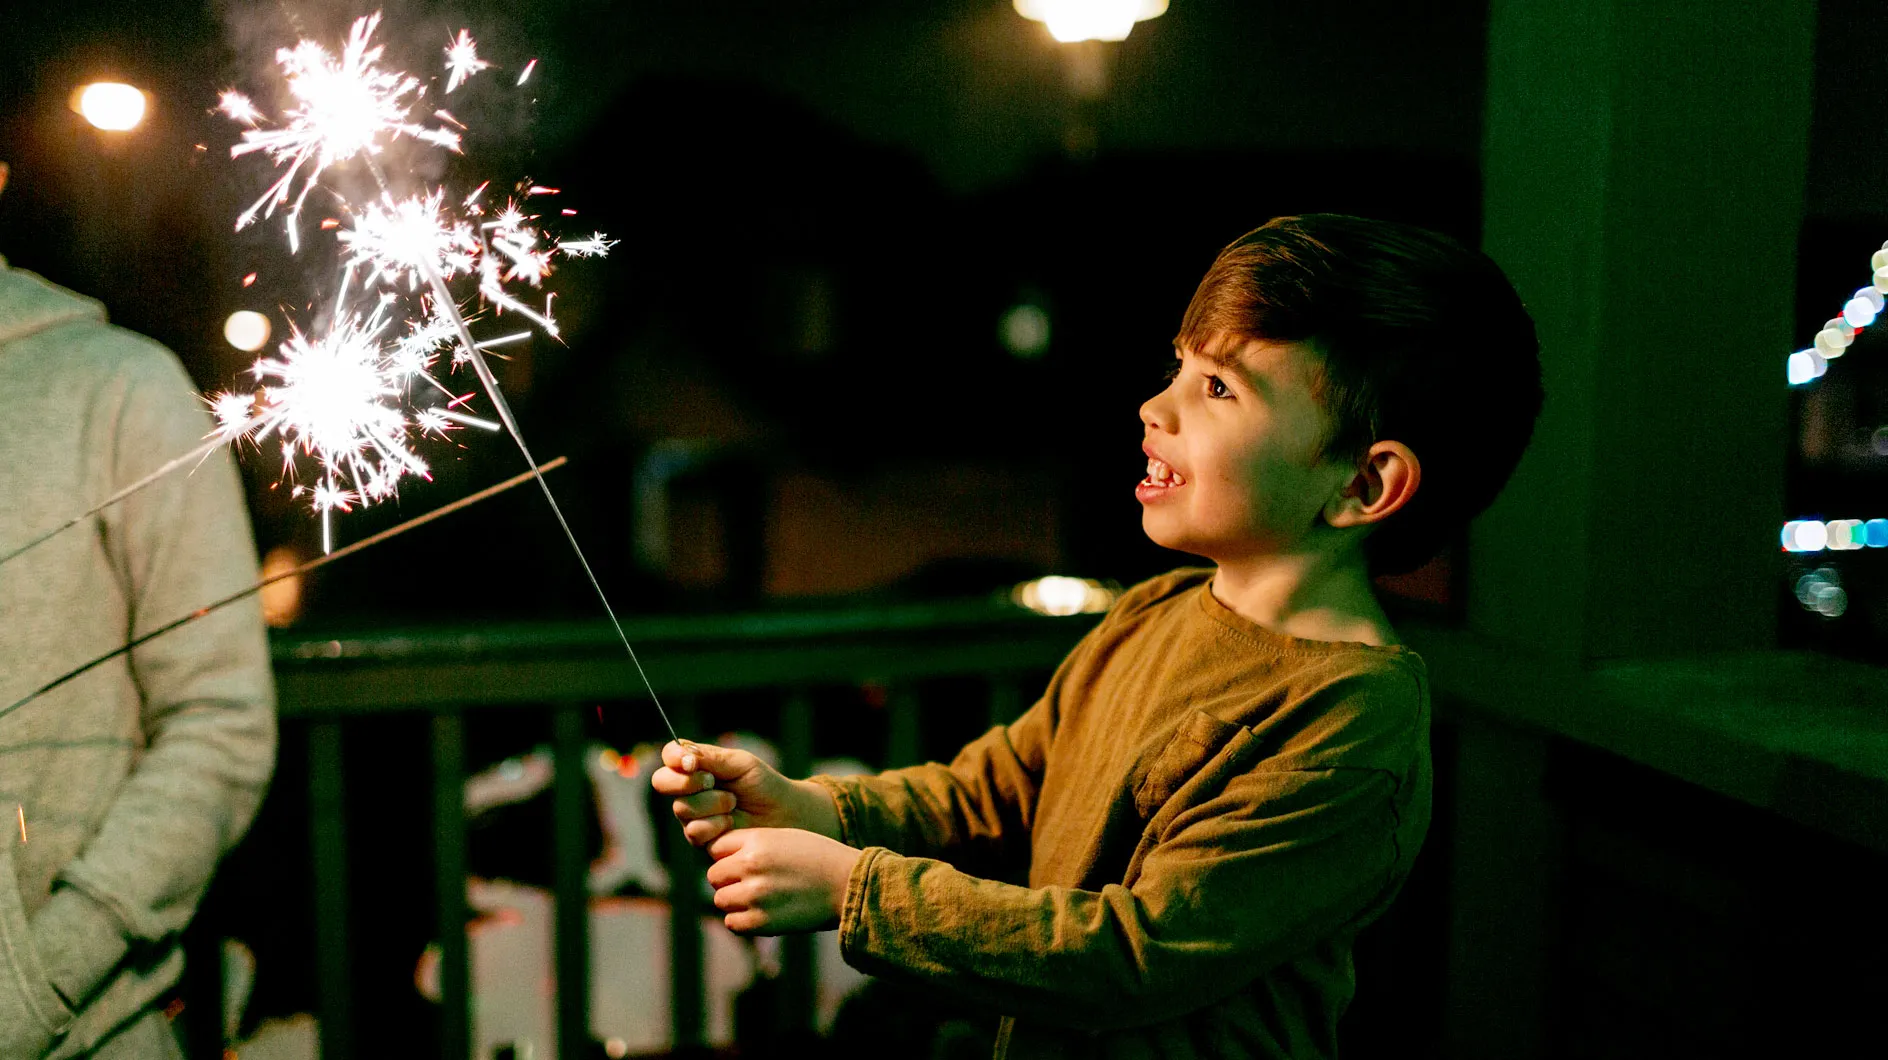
{"points": [[1232, 445]]}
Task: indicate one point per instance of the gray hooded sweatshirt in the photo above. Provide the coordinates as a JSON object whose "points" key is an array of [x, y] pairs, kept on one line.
{"points": [[121, 789]]}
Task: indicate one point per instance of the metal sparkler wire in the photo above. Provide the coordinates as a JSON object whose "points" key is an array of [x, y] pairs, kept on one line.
{"points": [[448, 307], [490, 382], [216, 441], [314, 564]]}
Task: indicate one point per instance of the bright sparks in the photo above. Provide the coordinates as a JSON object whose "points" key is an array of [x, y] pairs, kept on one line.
{"points": [[344, 107], [237, 107], [343, 406], [462, 60], [340, 402], [398, 241]]}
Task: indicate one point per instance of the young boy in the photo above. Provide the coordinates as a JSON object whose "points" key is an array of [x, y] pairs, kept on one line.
{"points": [[1229, 776]]}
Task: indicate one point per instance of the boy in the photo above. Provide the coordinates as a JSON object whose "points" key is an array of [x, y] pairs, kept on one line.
{"points": [[1229, 776]]}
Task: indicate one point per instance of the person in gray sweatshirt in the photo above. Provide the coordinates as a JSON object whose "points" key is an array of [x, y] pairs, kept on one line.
{"points": [[119, 790]]}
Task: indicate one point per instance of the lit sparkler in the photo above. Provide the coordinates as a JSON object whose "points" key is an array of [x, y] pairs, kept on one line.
{"points": [[351, 108], [344, 107], [339, 399]]}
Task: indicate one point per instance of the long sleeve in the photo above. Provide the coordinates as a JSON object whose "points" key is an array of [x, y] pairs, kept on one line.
{"points": [[977, 812], [207, 724], [1234, 884]]}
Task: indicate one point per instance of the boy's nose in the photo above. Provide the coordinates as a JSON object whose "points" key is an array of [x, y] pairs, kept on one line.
{"points": [[1154, 413]]}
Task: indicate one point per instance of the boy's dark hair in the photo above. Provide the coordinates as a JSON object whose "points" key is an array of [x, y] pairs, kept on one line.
{"points": [[1423, 341]]}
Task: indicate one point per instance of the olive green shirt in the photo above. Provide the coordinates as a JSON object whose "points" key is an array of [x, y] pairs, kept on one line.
{"points": [[1169, 854]]}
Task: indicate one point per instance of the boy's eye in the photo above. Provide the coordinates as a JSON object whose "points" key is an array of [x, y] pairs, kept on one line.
{"points": [[1173, 371], [1217, 388]]}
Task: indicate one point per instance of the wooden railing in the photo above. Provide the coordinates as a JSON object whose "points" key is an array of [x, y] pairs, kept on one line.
{"points": [[330, 683]]}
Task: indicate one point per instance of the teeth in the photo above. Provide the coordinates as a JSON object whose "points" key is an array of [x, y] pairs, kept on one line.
{"points": [[1162, 475]]}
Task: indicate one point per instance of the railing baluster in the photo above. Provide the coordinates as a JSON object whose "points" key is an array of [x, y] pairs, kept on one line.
{"points": [[571, 875], [903, 742], [798, 968], [686, 996], [334, 982], [449, 838], [1006, 699]]}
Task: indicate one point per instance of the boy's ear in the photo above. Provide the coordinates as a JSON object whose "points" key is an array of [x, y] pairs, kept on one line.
{"points": [[1384, 483]]}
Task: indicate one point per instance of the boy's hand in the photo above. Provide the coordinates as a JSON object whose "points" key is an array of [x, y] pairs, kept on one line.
{"points": [[773, 881], [718, 789]]}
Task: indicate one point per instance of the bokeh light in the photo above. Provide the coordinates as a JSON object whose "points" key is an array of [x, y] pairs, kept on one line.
{"points": [[1805, 535], [1820, 591], [282, 601], [1805, 366], [1025, 331], [247, 330], [111, 106], [1060, 595]]}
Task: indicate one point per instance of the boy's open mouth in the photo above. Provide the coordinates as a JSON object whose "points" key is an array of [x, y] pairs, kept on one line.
{"points": [[1161, 476]]}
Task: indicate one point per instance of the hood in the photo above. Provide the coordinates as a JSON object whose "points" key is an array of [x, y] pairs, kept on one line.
{"points": [[30, 305]]}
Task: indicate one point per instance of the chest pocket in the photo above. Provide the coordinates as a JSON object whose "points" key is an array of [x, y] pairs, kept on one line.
{"points": [[1199, 737]]}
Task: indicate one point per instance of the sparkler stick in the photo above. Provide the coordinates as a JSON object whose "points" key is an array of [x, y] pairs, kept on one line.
{"points": [[471, 351], [313, 564], [221, 438], [348, 108]]}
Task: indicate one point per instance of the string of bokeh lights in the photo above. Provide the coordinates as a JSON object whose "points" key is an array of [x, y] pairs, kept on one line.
{"points": [[1817, 590]]}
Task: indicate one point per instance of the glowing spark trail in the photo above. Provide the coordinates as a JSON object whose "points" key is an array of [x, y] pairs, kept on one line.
{"points": [[462, 60]]}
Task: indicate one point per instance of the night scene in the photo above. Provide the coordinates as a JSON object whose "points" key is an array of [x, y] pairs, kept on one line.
{"points": [[1031, 529]]}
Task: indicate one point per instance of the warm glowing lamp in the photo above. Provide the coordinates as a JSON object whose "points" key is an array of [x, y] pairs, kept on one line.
{"points": [[110, 105], [1077, 20]]}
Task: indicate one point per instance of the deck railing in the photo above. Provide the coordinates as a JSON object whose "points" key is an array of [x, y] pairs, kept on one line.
{"points": [[332, 683]]}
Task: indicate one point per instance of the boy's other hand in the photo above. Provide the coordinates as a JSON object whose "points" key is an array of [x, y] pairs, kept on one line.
{"points": [[775, 881], [718, 789]]}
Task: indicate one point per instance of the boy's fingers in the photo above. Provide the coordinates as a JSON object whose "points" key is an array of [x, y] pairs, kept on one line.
{"points": [[704, 831], [704, 804], [687, 757], [683, 756], [668, 781], [729, 843], [746, 922], [735, 897], [722, 873]]}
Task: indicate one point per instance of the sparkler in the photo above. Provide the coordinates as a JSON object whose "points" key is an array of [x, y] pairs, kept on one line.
{"points": [[345, 107], [349, 108], [314, 564], [335, 399]]}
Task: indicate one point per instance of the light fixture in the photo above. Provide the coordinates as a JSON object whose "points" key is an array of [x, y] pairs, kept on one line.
{"points": [[110, 105], [1077, 20]]}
